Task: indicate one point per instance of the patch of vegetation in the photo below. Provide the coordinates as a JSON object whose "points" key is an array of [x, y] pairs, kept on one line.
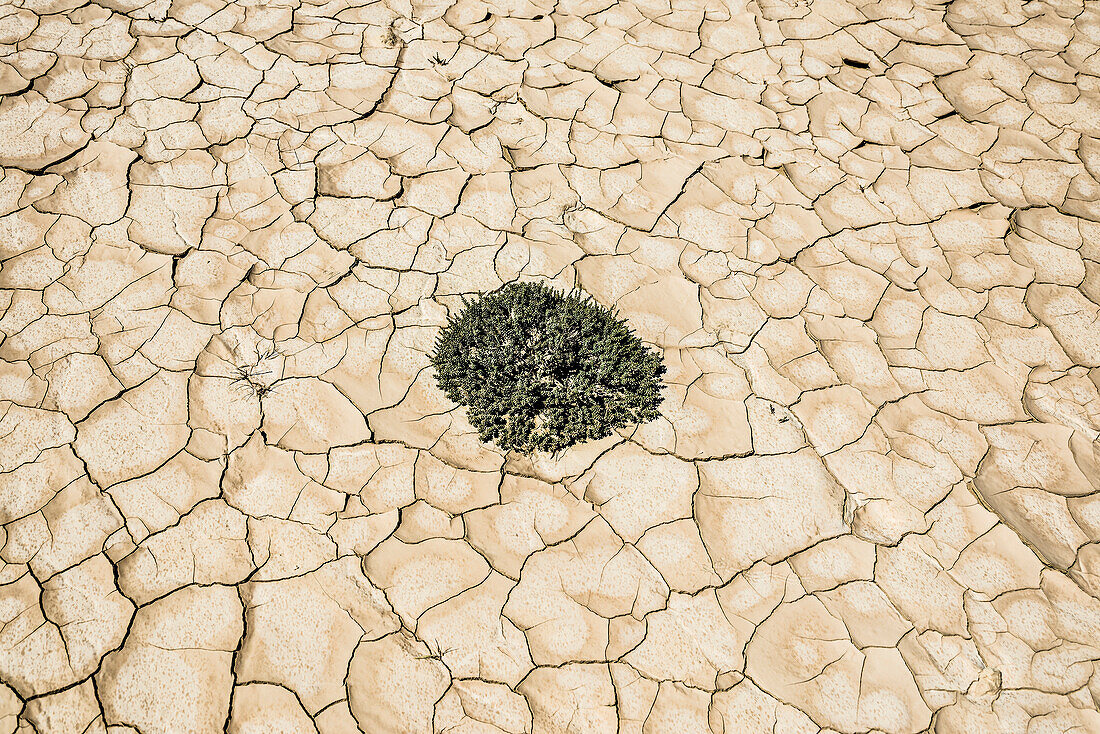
{"points": [[254, 375], [542, 370]]}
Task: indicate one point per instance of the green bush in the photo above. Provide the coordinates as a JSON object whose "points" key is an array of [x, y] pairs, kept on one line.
{"points": [[541, 370]]}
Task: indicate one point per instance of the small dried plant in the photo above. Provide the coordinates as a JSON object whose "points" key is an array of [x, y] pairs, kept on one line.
{"points": [[390, 38], [253, 375]]}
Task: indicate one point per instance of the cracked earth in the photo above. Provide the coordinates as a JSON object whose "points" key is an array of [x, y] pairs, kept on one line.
{"points": [[866, 236]]}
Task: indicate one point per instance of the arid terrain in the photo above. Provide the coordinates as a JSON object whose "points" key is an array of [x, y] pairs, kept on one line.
{"points": [[865, 236]]}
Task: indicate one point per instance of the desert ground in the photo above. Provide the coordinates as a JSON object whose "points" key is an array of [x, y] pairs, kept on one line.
{"points": [[865, 237]]}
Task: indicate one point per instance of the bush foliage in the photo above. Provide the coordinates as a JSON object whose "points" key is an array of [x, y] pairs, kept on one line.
{"points": [[542, 370]]}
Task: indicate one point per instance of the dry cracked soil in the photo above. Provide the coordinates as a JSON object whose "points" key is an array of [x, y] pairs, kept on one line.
{"points": [[864, 233]]}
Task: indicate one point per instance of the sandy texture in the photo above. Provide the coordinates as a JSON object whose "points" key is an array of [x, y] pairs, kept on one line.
{"points": [[866, 236]]}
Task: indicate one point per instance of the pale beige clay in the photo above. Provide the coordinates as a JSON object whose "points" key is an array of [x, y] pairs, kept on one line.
{"points": [[865, 237]]}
